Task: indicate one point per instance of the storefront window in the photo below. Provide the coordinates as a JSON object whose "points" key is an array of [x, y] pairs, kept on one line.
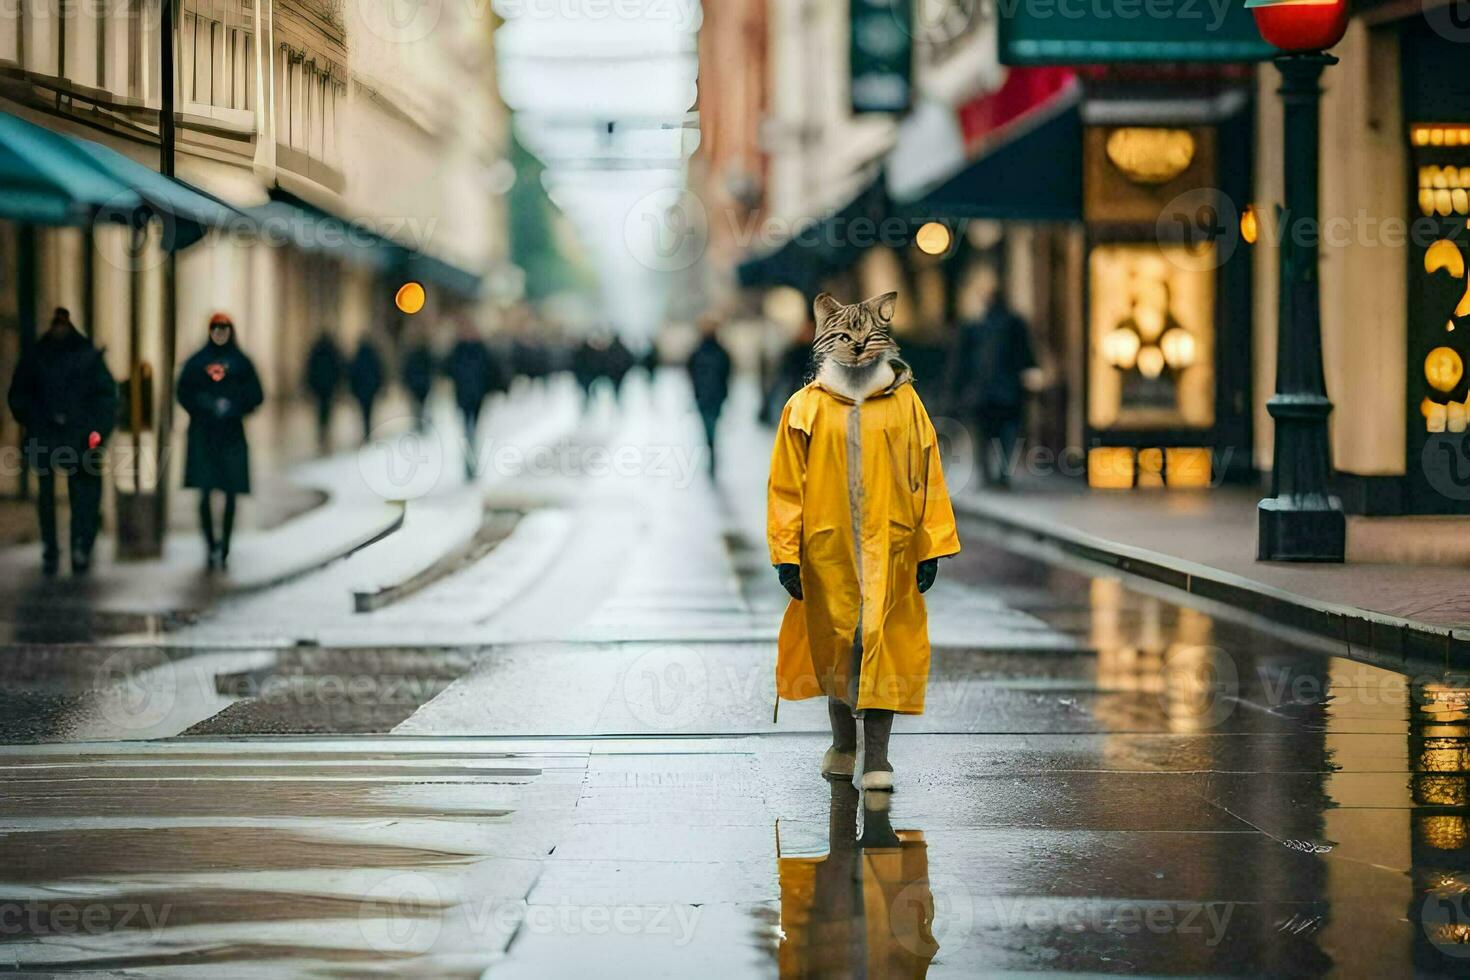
{"points": [[1152, 337]]}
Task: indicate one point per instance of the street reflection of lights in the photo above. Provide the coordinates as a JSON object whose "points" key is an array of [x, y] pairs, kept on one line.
{"points": [[1444, 831], [410, 297], [933, 238], [1441, 790]]}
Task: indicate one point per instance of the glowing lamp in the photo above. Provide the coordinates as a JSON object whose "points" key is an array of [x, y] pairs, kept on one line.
{"points": [[933, 238], [410, 297], [1300, 25], [1250, 226], [1443, 368]]}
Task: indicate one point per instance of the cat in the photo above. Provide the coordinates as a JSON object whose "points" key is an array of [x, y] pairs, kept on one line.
{"points": [[854, 354]]}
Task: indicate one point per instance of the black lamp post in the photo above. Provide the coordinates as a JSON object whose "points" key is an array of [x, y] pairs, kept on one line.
{"points": [[1300, 521]]}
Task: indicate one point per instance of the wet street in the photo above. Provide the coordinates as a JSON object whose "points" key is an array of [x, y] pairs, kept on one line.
{"points": [[551, 751]]}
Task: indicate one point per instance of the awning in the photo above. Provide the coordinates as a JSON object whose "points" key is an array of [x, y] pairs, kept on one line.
{"points": [[50, 178], [1034, 175], [46, 180], [445, 275], [290, 220], [187, 213], [824, 245]]}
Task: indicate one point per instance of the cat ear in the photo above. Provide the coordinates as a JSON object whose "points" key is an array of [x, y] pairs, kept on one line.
{"points": [[823, 307], [883, 306]]}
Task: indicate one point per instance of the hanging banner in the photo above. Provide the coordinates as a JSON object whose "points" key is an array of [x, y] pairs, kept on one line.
{"points": [[1072, 32], [881, 55]]}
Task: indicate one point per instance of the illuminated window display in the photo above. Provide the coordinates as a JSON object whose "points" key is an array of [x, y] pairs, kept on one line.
{"points": [[1152, 337]]}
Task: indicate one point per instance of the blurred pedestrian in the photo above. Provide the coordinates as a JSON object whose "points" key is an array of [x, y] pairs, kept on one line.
{"points": [[709, 373], [589, 365], [992, 358], [218, 388], [417, 374], [64, 397], [618, 362], [365, 378], [475, 372], [323, 377], [792, 370]]}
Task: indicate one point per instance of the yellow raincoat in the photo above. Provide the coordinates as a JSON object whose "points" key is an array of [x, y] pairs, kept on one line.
{"points": [[903, 516]]}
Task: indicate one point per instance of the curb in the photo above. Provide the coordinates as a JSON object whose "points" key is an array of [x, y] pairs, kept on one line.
{"points": [[1390, 642]]}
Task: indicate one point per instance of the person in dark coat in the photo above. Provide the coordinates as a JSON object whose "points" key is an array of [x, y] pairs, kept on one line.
{"points": [[618, 361], [218, 388], [323, 376], [365, 378], [991, 357], [790, 373], [64, 397], [589, 365], [417, 373], [475, 372], [709, 373]]}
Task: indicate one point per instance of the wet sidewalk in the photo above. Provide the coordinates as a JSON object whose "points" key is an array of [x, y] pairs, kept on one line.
{"points": [[1204, 541], [306, 512]]}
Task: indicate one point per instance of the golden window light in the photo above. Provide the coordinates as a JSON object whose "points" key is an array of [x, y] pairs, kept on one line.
{"points": [[1250, 228], [1151, 156], [1443, 368], [1150, 362]]}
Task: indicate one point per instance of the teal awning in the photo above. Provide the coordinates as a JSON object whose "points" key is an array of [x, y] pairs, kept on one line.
{"points": [[824, 246], [186, 213], [290, 220], [50, 178], [451, 278], [46, 180], [1036, 175]]}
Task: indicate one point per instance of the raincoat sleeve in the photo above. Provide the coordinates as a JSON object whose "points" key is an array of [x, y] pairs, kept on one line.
{"points": [[937, 535], [785, 491]]}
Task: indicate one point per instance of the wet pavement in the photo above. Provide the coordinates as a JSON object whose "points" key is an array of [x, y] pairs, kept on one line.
{"points": [[558, 757]]}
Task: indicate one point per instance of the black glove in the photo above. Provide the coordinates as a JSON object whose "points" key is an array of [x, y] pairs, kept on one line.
{"points": [[928, 572], [790, 576]]}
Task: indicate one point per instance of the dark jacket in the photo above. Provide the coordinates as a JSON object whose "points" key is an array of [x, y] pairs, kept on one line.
{"points": [[418, 371], [62, 392], [218, 388], [990, 356], [365, 376], [323, 368], [709, 373], [475, 372]]}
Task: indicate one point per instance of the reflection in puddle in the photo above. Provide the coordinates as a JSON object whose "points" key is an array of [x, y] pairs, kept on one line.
{"points": [[864, 909]]}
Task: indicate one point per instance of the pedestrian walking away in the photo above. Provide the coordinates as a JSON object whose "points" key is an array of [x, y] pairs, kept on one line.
{"points": [[857, 519], [218, 388], [323, 378], [65, 399], [475, 372], [709, 374], [417, 374], [365, 378], [993, 359]]}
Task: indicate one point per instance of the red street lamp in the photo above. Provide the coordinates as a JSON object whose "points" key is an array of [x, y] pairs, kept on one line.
{"points": [[1301, 520], [1300, 25]]}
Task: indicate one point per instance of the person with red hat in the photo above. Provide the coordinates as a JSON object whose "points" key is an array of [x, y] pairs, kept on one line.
{"points": [[218, 387]]}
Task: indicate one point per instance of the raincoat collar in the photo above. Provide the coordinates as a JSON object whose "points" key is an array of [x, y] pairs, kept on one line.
{"points": [[902, 375]]}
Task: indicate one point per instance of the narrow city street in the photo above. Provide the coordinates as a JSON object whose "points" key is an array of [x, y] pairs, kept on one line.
{"points": [[547, 748]]}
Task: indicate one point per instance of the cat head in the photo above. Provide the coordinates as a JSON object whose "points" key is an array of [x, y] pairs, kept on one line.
{"points": [[856, 335]]}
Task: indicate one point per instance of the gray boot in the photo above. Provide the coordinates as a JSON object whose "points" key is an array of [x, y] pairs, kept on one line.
{"points": [[841, 758], [877, 770]]}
